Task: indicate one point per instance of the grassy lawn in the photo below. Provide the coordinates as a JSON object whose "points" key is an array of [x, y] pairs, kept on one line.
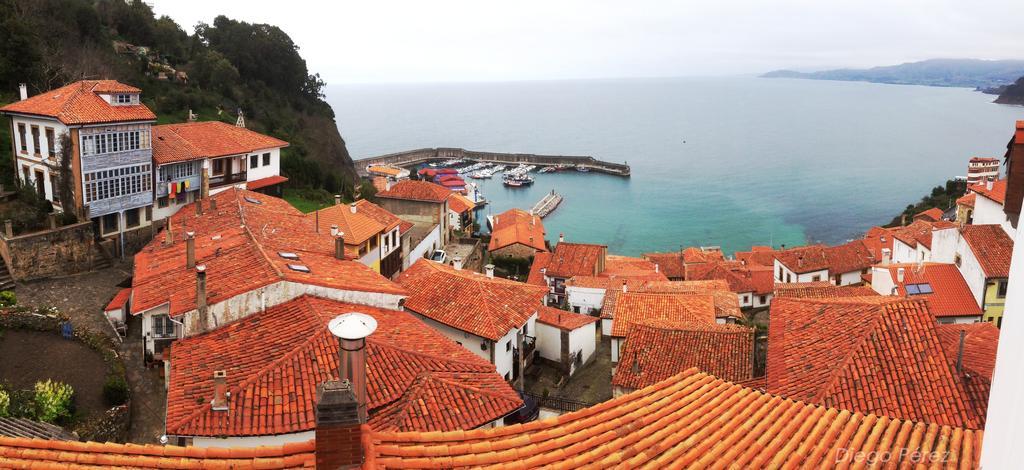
{"points": [[301, 200]]}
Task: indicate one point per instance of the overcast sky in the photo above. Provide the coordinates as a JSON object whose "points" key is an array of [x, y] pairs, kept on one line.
{"points": [[425, 41]]}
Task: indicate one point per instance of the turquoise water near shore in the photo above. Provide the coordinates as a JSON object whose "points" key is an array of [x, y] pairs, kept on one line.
{"points": [[716, 161]]}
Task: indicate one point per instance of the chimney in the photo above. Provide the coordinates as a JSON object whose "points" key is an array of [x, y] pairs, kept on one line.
{"points": [[201, 296], [960, 353], [457, 262], [339, 246], [988, 183], [190, 250], [199, 207], [352, 207], [23, 91], [561, 237], [337, 199], [220, 389], [900, 275], [656, 268], [903, 219], [624, 288], [351, 329], [213, 204], [334, 230], [338, 437], [387, 185], [886, 256], [168, 234], [489, 270]]}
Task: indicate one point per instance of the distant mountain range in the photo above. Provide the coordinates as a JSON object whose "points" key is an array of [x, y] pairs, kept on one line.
{"points": [[984, 75]]}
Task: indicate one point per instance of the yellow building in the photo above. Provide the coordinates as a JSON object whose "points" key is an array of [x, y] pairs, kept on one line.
{"points": [[372, 234], [993, 300]]}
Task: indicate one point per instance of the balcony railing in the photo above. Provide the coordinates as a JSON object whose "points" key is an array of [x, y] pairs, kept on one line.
{"points": [[227, 178]]}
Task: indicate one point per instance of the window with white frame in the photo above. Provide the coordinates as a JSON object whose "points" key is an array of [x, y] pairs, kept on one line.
{"points": [[117, 182], [112, 142], [125, 99], [178, 171], [163, 327]]}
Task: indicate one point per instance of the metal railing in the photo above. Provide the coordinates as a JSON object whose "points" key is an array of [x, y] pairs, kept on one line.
{"points": [[564, 405]]}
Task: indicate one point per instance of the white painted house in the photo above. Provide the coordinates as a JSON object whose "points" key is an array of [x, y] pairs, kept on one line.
{"points": [[988, 205], [565, 338], [841, 265], [196, 159], [494, 318]]}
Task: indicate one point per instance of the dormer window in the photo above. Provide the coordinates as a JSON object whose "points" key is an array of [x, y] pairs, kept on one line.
{"points": [[125, 99]]}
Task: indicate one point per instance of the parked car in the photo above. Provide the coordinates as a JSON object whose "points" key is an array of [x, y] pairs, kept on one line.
{"points": [[439, 255], [528, 412]]}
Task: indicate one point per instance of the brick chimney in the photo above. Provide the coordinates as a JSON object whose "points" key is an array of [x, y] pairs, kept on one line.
{"points": [[190, 250], [220, 390], [339, 245], [201, 296], [338, 437], [489, 270]]}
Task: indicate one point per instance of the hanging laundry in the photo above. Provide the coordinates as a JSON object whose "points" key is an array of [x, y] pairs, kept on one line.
{"points": [[170, 189], [187, 184]]}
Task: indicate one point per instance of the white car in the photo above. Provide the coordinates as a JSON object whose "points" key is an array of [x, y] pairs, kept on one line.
{"points": [[439, 255]]}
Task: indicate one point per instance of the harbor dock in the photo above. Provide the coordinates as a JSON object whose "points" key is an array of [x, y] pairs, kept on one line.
{"points": [[547, 204], [414, 157]]}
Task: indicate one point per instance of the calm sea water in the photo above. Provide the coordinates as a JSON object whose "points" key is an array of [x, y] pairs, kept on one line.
{"points": [[726, 161]]}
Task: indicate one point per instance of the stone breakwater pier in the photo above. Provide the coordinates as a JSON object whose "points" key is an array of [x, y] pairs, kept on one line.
{"points": [[414, 157]]}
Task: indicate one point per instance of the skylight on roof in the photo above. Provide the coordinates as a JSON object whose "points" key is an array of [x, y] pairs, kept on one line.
{"points": [[916, 289], [299, 267], [287, 255], [252, 201]]}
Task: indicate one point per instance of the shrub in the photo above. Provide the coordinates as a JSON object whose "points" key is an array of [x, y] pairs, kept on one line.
{"points": [[8, 299], [115, 391], [5, 403], [53, 401]]}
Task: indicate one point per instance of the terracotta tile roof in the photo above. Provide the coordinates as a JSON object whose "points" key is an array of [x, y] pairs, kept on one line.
{"points": [[996, 194], [576, 259], [950, 297], [821, 290], [919, 231], [848, 257], [876, 239], [623, 267], [459, 204], [517, 226], [380, 183], [119, 300], [966, 200], [758, 256], [239, 244], [187, 141], [725, 301], [80, 103], [655, 352], [981, 340], [358, 226], [41, 453], [417, 379], [416, 191], [469, 301], [878, 355], [691, 420], [540, 261], [382, 215], [564, 320], [930, 215], [671, 264], [385, 169], [701, 255], [265, 182], [991, 246], [682, 309], [757, 279]]}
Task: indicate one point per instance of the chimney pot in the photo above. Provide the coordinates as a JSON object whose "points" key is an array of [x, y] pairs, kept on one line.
{"points": [[23, 91], [457, 262], [561, 237], [201, 296], [988, 184], [199, 207], [190, 250], [886, 256], [334, 230], [337, 199], [213, 204], [339, 246], [220, 388], [489, 270], [624, 288], [900, 275], [352, 207], [351, 329]]}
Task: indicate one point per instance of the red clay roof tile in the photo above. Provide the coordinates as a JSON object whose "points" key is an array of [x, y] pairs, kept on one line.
{"points": [[471, 302], [80, 103], [517, 226], [119, 300], [878, 355], [821, 290], [996, 194], [576, 259], [187, 141], [417, 379], [655, 351], [417, 191], [691, 420], [991, 246], [564, 320], [931, 215], [950, 297], [682, 309]]}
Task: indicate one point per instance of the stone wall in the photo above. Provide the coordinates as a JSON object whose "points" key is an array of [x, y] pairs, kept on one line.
{"points": [[413, 157], [50, 253]]}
